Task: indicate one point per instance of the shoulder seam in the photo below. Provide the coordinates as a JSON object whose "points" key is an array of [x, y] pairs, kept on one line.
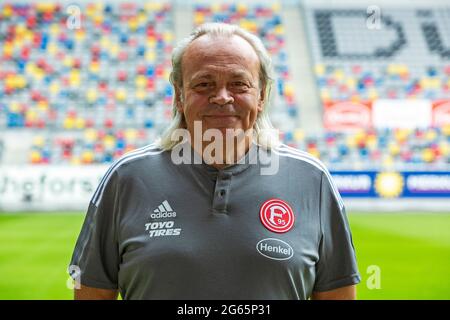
{"points": [[303, 156], [286, 148], [300, 155], [138, 153]]}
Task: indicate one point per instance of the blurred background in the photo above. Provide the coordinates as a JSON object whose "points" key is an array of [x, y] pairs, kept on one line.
{"points": [[362, 85]]}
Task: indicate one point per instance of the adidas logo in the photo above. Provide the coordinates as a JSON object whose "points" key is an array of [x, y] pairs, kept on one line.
{"points": [[164, 210]]}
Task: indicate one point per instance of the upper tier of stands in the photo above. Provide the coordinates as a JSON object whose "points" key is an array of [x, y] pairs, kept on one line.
{"points": [[91, 94], [405, 54]]}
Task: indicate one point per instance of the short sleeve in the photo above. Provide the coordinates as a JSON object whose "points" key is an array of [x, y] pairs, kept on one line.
{"points": [[337, 265], [96, 256]]}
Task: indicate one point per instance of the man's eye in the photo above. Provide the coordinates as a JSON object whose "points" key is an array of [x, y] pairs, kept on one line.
{"points": [[202, 85], [241, 85]]}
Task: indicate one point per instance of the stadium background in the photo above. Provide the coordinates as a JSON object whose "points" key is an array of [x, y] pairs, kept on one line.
{"points": [[363, 85]]}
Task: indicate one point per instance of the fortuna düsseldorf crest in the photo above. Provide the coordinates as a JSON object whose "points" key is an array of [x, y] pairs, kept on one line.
{"points": [[277, 216]]}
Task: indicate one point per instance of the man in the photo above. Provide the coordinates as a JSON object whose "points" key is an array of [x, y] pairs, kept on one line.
{"points": [[181, 220]]}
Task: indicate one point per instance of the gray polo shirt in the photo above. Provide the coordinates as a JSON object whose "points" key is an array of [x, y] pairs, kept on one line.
{"points": [[156, 229]]}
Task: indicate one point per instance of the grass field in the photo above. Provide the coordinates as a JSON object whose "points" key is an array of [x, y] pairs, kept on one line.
{"points": [[411, 250]]}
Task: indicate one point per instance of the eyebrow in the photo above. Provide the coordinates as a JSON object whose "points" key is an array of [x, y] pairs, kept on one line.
{"points": [[238, 74], [205, 75], [200, 75]]}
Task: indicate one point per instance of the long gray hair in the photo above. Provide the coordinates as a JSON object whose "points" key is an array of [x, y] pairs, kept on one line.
{"points": [[263, 131]]}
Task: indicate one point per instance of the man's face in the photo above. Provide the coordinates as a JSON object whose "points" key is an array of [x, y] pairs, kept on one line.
{"points": [[220, 84]]}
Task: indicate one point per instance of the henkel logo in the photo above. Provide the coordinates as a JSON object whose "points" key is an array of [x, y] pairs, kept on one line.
{"points": [[277, 216], [347, 115], [275, 249]]}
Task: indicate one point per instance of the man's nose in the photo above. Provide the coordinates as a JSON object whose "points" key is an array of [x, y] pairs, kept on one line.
{"points": [[221, 96]]}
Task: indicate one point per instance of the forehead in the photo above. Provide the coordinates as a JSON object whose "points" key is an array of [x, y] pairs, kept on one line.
{"points": [[208, 54]]}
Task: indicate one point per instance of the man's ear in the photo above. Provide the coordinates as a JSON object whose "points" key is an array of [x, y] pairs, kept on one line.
{"points": [[262, 96]]}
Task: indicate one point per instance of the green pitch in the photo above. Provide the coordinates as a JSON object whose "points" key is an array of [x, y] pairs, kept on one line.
{"points": [[411, 252]]}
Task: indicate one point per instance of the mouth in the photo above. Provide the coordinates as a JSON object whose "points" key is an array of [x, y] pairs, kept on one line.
{"points": [[221, 116], [219, 120]]}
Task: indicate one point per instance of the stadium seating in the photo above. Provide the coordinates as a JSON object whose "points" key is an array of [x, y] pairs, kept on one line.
{"points": [[111, 72], [364, 63], [95, 146], [402, 149], [91, 94], [99, 80]]}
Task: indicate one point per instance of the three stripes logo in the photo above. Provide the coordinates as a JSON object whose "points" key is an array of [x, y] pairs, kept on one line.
{"points": [[165, 228], [164, 210]]}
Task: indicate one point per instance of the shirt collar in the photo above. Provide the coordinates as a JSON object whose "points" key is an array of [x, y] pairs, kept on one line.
{"points": [[196, 160]]}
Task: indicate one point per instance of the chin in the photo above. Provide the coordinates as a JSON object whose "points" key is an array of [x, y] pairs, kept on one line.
{"points": [[223, 128]]}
